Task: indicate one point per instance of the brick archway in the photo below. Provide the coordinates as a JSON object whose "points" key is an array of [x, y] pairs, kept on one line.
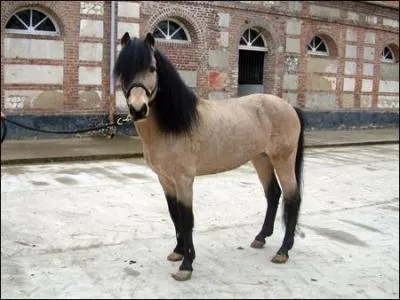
{"points": [[196, 52], [327, 38], [52, 9], [187, 18], [269, 76]]}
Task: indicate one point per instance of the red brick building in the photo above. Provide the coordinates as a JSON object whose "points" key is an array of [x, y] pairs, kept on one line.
{"points": [[338, 60]]}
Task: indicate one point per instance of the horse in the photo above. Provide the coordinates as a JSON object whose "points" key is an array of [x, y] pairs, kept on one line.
{"points": [[184, 136]]}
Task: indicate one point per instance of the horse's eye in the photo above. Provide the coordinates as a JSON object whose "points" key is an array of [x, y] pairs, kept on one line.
{"points": [[152, 69]]}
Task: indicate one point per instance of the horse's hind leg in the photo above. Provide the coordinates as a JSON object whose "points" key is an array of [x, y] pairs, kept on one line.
{"points": [[170, 194], [272, 191], [285, 169]]}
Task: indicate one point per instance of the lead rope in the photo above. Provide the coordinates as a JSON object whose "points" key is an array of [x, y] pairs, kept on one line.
{"points": [[120, 122]]}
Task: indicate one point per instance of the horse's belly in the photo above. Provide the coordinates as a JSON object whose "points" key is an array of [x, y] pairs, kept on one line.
{"points": [[221, 160], [212, 168]]}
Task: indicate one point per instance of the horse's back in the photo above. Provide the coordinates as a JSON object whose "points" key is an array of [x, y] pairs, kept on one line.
{"points": [[234, 131], [271, 114]]}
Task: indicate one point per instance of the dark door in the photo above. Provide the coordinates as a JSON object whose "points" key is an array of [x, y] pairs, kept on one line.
{"points": [[251, 71]]}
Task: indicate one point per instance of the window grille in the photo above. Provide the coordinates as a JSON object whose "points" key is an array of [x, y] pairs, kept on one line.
{"points": [[31, 21], [387, 55], [318, 46], [171, 30]]}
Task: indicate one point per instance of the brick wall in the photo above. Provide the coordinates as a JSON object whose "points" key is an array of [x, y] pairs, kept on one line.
{"points": [[351, 78], [201, 20], [75, 90]]}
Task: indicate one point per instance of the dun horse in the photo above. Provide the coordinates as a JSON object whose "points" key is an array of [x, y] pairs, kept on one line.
{"points": [[184, 136]]}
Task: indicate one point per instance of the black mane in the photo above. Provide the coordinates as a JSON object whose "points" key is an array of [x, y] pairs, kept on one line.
{"points": [[175, 103], [134, 58]]}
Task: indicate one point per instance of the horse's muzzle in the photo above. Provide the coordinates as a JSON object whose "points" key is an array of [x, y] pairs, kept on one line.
{"points": [[139, 114]]}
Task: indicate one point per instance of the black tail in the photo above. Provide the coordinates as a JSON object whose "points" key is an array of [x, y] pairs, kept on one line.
{"points": [[292, 208], [300, 151]]}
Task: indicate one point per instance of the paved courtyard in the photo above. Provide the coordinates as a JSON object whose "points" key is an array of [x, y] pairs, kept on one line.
{"points": [[102, 230]]}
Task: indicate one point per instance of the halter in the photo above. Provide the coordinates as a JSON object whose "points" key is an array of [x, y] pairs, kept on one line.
{"points": [[141, 85], [146, 90]]}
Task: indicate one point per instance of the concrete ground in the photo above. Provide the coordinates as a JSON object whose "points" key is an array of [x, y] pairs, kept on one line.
{"points": [[101, 229]]}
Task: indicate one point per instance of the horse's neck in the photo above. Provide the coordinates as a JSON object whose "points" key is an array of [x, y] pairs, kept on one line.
{"points": [[147, 129]]}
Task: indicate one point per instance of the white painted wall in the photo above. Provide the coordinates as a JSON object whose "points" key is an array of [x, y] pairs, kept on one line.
{"points": [[91, 51], [387, 86], [132, 28], [129, 10], [321, 65], [368, 69], [92, 7], [390, 22], [350, 67], [351, 35], [290, 81], [90, 75], [351, 51], [19, 99], [349, 84], [33, 49], [292, 45], [34, 74], [189, 77], [324, 12], [120, 102], [366, 85], [91, 28]]}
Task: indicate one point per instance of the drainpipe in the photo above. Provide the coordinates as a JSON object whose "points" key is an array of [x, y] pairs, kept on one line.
{"points": [[112, 62], [112, 55]]}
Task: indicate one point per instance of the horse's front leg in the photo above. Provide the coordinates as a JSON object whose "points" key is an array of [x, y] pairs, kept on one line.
{"points": [[184, 189], [170, 194], [177, 253]]}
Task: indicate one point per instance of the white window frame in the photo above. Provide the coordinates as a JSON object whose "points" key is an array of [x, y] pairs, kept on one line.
{"points": [[249, 43], [169, 37], [314, 47], [31, 30], [387, 60]]}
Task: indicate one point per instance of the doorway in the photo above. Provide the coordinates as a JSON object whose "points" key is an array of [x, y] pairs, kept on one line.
{"points": [[252, 49]]}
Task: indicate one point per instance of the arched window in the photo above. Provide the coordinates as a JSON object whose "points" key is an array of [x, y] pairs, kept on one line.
{"points": [[253, 40], [387, 55], [171, 30], [318, 46], [31, 21]]}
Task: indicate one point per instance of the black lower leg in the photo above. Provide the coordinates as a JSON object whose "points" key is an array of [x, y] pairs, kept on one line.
{"points": [[273, 193], [291, 213], [186, 229], [174, 213]]}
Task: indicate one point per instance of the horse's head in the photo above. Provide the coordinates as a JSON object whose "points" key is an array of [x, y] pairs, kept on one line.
{"points": [[147, 76], [136, 69]]}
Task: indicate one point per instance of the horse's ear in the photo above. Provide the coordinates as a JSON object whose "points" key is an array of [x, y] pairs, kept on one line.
{"points": [[149, 40], [125, 39]]}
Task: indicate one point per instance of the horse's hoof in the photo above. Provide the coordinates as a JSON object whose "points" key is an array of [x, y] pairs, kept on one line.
{"points": [[175, 256], [257, 244], [182, 275], [280, 258]]}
